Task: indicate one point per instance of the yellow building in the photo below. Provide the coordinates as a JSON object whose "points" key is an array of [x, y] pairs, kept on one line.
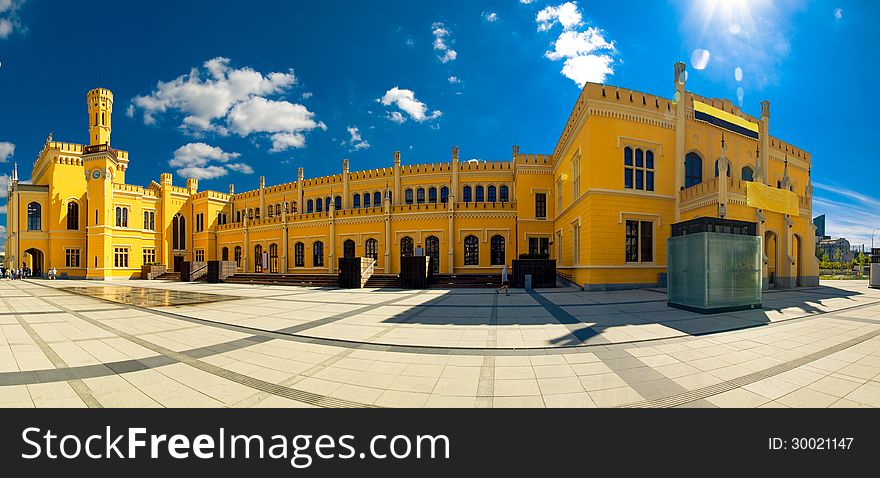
{"points": [[626, 167]]}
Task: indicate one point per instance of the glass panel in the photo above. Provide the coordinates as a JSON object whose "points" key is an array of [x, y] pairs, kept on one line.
{"points": [[649, 181], [640, 179], [649, 159], [628, 157], [628, 178], [640, 158]]}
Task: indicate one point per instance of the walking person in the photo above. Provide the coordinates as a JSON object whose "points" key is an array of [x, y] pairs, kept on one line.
{"points": [[505, 281]]}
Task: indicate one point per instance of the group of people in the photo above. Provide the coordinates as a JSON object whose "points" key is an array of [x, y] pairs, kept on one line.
{"points": [[13, 274]]}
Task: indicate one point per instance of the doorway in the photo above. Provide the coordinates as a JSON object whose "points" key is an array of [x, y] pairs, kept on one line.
{"points": [[178, 263]]}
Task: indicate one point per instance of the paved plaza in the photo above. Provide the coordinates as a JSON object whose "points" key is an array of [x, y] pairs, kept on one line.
{"points": [[169, 344]]}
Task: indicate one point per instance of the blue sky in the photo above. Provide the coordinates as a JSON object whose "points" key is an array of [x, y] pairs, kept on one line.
{"points": [[228, 92]]}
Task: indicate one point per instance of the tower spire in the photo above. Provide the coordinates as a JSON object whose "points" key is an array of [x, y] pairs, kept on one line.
{"points": [[15, 171]]}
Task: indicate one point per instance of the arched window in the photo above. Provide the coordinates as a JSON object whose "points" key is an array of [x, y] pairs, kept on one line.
{"points": [[348, 249], [497, 251], [471, 251], [693, 169], [466, 194], [505, 194], [299, 255], [318, 254], [444, 194], [118, 217], [278, 209], [250, 214], [432, 250], [273, 258], [125, 217], [716, 168], [178, 233], [420, 196], [224, 254], [492, 194], [406, 246], [408, 196], [257, 213], [748, 174], [327, 203], [356, 201], [152, 221], [478, 192], [371, 249], [73, 216], [377, 199], [310, 206], [337, 202], [146, 218], [319, 205], [432, 195], [258, 258], [35, 219], [237, 256], [270, 211], [237, 216], [366, 200]]}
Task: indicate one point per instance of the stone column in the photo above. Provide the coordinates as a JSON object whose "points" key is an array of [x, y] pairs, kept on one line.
{"points": [[396, 192], [680, 123], [346, 204], [765, 142], [388, 239], [299, 191], [263, 213]]}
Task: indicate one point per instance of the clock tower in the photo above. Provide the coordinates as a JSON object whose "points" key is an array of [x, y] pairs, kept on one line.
{"points": [[102, 167]]}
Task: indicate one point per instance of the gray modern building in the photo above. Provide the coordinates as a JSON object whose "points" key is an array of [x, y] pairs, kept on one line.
{"points": [[832, 246], [820, 228]]}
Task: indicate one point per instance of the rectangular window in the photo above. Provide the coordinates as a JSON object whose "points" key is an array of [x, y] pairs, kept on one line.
{"points": [[638, 169], [71, 257], [120, 257], [541, 205], [639, 241], [539, 246], [149, 256], [559, 196], [576, 243], [200, 255], [576, 177]]}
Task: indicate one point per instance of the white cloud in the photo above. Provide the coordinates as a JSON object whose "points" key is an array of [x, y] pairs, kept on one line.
{"points": [[7, 149], [849, 214], [441, 33], [568, 15], [203, 161], [9, 21], [220, 99], [282, 141], [307, 94], [526, 2], [356, 142], [396, 117], [588, 55], [454, 79], [3, 209], [838, 13], [406, 101], [490, 17], [4, 185]]}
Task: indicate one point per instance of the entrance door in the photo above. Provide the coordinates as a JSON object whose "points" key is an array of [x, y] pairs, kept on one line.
{"points": [[771, 246], [178, 262], [36, 263], [432, 249]]}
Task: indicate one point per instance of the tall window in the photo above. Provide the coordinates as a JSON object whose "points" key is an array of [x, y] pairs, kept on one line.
{"points": [[250, 214], [716, 168], [257, 213], [348, 249], [152, 221], [541, 205], [479, 195], [237, 256], [497, 251], [200, 255], [559, 196], [748, 174], [408, 196], [120, 257], [639, 241], [539, 246], [72, 216], [432, 195], [273, 258], [310, 206], [575, 177], [318, 254], [319, 205], [121, 217], [366, 200], [444, 194], [299, 255], [200, 221], [406, 246], [327, 203], [356, 201], [505, 193], [146, 219], [178, 233], [258, 258], [377, 199], [693, 170], [71, 257], [224, 254], [420, 195], [492, 193], [432, 250], [237, 216], [337, 202], [576, 243], [638, 171], [471, 251], [149, 254], [270, 212], [277, 210], [466, 194], [371, 249]]}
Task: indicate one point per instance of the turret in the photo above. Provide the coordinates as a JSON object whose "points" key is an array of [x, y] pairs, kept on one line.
{"points": [[100, 103]]}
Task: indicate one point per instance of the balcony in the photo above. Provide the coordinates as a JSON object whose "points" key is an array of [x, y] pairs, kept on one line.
{"points": [[99, 148]]}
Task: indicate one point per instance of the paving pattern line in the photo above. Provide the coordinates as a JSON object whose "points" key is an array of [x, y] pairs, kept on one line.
{"points": [[708, 391], [301, 396]]}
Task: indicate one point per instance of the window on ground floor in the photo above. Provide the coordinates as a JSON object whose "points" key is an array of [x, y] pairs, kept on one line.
{"points": [[71, 257], [149, 255], [639, 241], [120, 257], [539, 246]]}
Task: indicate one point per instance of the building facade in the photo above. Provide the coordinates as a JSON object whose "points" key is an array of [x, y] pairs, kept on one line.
{"points": [[626, 167]]}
